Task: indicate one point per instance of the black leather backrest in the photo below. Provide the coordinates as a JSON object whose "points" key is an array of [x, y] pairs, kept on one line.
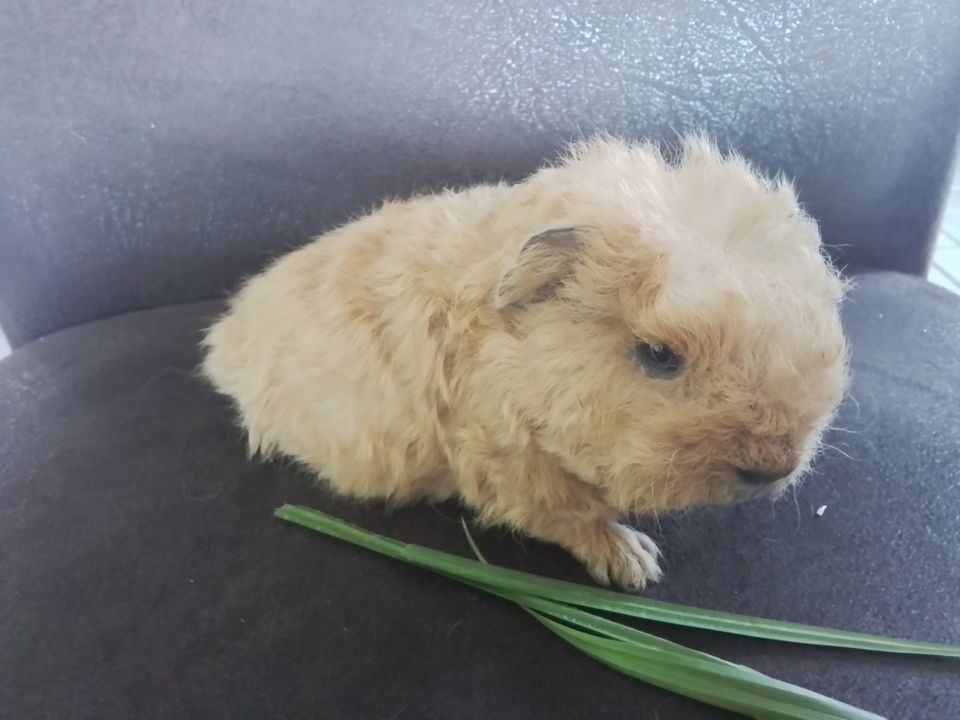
{"points": [[155, 152]]}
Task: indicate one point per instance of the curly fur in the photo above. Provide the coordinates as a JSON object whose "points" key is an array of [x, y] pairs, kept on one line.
{"points": [[432, 349]]}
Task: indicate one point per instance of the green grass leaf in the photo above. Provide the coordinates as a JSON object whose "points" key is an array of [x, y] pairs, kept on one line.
{"points": [[671, 666], [505, 579], [674, 667], [709, 680], [628, 650]]}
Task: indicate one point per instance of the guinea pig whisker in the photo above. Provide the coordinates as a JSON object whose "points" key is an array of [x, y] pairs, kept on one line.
{"points": [[837, 428], [847, 455], [853, 399]]}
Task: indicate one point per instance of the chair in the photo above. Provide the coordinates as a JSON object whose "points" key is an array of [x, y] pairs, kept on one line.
{"points": [[154, 154]]}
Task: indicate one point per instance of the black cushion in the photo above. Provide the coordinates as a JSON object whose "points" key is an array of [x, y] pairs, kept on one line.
{"points": [[142, 575], [155, 152]]}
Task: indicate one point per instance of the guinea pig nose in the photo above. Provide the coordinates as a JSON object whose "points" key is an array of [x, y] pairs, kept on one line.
{"points": [[758, 477]]}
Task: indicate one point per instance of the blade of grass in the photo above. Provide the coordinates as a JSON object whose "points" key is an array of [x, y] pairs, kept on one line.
{"points": [[751, 699], [624, 641], [607, 600], [647, 657], [680, 669], [674, 667]]}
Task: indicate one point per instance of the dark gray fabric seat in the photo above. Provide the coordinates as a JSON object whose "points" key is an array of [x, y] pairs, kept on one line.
{"points": [[143, 575], [153, 154]]}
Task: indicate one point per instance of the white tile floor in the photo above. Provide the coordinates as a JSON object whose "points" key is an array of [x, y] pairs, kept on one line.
{"points": [[945, 269]]}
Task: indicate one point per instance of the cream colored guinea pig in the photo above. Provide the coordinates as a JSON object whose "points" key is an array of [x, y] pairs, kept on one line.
{"points": [[617, 334]]}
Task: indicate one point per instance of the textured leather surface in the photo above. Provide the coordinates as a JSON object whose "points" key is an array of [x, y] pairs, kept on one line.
{"points": [[142, 575], [154, 152]]}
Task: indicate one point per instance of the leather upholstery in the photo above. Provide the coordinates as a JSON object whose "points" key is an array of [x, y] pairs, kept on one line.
{"points": [[155, 152]]}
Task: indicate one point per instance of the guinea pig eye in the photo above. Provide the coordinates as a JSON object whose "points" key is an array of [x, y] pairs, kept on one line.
{"points": [[658, 360]]}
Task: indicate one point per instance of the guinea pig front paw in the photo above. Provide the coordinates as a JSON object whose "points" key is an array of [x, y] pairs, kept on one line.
{"points": [[620, 555]]}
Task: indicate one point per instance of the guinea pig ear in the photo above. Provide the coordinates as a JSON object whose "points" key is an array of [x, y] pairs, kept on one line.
{"points": [[543, 263]]}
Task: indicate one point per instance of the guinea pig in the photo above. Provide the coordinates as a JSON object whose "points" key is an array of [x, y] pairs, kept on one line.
{"points": [[623, 332]]}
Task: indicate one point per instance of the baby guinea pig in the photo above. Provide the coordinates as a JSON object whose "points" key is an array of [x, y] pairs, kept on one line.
{"points": [[619, 333]]}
